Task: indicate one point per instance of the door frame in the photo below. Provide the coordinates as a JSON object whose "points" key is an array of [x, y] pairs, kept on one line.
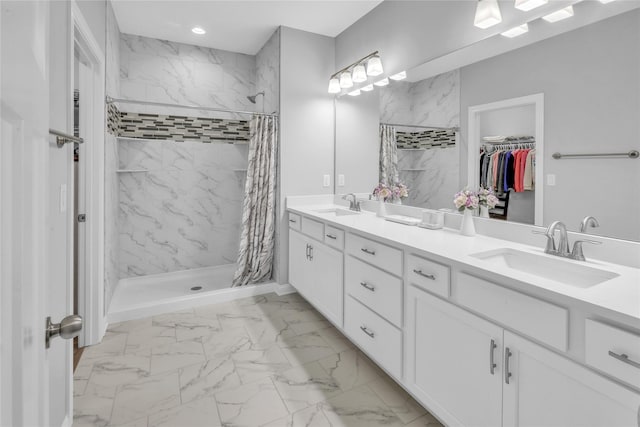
{"points": [[91, 281]]}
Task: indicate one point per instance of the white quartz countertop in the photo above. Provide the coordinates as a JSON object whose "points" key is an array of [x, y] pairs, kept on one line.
{"points": [[620, 295]]}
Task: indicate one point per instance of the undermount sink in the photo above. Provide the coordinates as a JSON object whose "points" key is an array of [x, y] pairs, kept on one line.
{"points": [[337, 211], [548, 267]]}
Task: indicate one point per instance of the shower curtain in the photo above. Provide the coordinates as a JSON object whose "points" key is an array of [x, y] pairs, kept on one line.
{"points": [[255, 257], [388, 156]]}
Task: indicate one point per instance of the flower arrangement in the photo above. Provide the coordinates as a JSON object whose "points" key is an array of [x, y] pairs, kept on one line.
{"points": [[466, 199], [487, 198], [390, 193]]}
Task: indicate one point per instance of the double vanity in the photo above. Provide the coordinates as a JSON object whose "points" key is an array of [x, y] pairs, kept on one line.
{"points": [[481, 331]]}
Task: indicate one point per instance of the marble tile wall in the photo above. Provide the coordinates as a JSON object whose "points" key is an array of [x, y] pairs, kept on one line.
{"points": [[268, 73], [185, 212], [431, 175]]}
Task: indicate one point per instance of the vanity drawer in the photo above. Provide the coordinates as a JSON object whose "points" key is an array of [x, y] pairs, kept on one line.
{"points": [[376, 289], [377, 337], [379, 254], [313, 228], [334, 237], [294, 221], [538, 319], [429, 275], [604, 347]]}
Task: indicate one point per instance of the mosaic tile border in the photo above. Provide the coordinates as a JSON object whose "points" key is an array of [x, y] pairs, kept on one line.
{"points": [[427, 139]]}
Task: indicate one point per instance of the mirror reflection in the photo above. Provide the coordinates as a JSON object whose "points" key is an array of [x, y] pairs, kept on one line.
{"points": [[575, 93]]}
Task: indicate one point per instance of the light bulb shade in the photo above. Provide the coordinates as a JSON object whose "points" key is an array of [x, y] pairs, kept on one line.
{"points": [[487, 14], [516, 31], [399, 76], [334, 85], [374, 66], [382, 82], [606, 1], [359, 74], [527, 5], [367, 88], [559, 15], [355, 92], [345, 80]]}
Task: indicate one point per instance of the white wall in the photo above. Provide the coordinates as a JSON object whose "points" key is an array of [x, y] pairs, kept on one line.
{"points": [[306, 122], [592, 103], [94, 12]]}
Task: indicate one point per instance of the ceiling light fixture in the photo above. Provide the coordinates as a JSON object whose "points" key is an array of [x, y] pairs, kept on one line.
{"points": [[345, 80], [527, 5], [399, 76], [487, 14], [516, 31], [559, 15], [334, 85], [358, 72], [382, 82], [606, 1], [198, 30], [367, 88]]}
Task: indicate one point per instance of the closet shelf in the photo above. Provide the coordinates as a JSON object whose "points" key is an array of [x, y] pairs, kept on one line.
{"points": [[131, 170]]}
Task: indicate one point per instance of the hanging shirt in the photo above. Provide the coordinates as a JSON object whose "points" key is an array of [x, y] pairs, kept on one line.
{"points": [[529, 171]]}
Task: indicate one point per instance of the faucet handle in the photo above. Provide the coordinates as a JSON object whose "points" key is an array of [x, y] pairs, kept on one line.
{"points": [[577, 253], [551, 244]]}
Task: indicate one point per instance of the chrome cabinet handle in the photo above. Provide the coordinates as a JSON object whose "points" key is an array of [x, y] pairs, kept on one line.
{"points": [[310, 253], [624, 359], [428, 276], [367, 331], [507, 355], [492, 365], [367, 251], [367, 286], [293, 220], [331, 236]]}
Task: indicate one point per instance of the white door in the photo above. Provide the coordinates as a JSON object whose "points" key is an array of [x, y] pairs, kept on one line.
{"points": [[546, 389], [454, 361], [36, 382], [327, 281]]}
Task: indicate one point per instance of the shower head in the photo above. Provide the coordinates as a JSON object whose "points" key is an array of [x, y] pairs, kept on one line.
{"points": [[252, 98]]}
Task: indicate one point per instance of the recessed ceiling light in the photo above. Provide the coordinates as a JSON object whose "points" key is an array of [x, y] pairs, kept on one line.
{"points": [[401, 75], [198, 30], [516, 31], [559, 15], [527, 5]]}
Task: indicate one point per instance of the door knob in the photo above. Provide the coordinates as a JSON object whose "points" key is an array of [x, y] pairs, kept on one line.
{"points": [[68, 328]]}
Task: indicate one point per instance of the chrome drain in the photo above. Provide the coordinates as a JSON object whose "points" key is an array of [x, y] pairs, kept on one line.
{"points": [[196, 288]]}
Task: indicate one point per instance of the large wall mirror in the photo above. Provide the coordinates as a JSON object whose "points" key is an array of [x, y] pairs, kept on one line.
{"points": [[576, 92]]}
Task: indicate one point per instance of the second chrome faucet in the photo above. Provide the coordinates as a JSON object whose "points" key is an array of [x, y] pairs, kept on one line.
{"points": [[562, 249]]}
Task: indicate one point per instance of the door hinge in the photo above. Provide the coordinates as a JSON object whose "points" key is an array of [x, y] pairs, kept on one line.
{"points": [[82, 218]]}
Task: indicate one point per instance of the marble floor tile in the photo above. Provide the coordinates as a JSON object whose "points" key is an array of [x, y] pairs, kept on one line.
{"points": [[173, 356], [121, 369], [336, 339], [79, 386], [152, 394], [254, 364], [112, 344], [196, 327], [251, 404], [92, 410], [201, 380], [226, 343], [359, 407], [302, 349], [269, 332], [427, 420], [313, 416], [150, 336], [304, 386], [140, 422], [199, 413], [350, 369], [403, 405]]}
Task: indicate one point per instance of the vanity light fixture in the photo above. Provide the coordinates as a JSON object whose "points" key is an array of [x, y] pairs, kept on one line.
{"points": [[487, 14], [198, 30], [334, 85], [527, 5], [559, 15], [399, 76], [345, 80], [374, 66], [382, 82], [516, 31], [606, 1], [355, 92], [359, 74], [367, 88]]}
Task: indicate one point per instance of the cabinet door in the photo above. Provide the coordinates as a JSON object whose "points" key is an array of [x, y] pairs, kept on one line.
{"points": [[546, 389], [327, 278], [449, 361], [299, 264]]}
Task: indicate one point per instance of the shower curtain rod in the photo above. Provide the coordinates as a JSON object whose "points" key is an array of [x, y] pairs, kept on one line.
{"points": [[111, 100], [455, 129]]}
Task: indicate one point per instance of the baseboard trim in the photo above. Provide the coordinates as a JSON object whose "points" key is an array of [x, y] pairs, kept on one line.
{"points": [[284, 289]]}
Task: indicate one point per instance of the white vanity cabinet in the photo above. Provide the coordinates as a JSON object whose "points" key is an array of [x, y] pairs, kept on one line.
{"points": [[315, 270]]}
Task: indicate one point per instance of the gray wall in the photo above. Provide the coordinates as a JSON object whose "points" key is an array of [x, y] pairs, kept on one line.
{"points": [[94, 12], [306, 122], [590, 79]]}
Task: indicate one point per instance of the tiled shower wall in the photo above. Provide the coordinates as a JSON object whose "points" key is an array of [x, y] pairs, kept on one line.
{"points": [[431, 175]]}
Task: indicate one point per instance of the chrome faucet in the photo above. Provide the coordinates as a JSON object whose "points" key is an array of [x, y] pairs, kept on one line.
{"points": [[563, 243], [354, 204], [588, 221], [562, 249]]}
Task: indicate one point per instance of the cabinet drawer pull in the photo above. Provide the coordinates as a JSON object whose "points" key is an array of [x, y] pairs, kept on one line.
{"points": [[310, 253], [331, 236], [507, 355], [367, 331], [293, 220], [428, 276], [367, 251], [367, 286], [307, 252], [492, 364], [624, 359]]}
